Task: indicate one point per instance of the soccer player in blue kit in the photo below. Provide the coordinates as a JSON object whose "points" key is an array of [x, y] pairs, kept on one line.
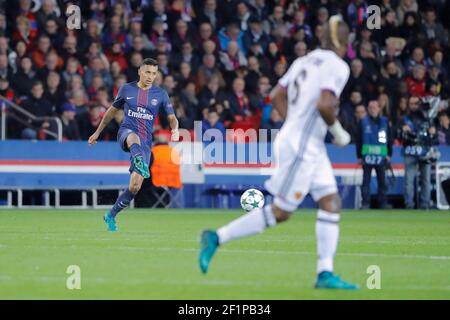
{"points": [[141, 101]]}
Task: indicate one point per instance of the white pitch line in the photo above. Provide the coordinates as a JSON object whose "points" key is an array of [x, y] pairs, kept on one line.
{"points": [[271, 252]]}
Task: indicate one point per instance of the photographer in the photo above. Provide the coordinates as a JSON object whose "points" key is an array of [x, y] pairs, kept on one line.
{"points": [[419, 138], [374, 151]]}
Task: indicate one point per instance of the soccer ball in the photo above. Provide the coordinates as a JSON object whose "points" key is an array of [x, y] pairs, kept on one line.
{"points": [[252, 199]]}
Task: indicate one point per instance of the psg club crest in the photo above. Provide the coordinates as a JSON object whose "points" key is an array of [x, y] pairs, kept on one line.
{"points": [[154, 102]]}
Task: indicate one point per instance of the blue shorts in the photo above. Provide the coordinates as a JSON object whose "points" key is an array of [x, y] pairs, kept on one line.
{"points": [[122, 139]]}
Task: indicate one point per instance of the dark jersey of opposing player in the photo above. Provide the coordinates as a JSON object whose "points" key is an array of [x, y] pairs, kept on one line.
{"points": [[141, 108]]}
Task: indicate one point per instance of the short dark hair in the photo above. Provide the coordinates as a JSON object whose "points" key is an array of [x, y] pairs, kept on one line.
{"points": [[149, 62], [37, 83], [442, 114]]}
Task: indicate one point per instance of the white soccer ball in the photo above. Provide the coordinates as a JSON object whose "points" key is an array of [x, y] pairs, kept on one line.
{"points": [[252, 199]]}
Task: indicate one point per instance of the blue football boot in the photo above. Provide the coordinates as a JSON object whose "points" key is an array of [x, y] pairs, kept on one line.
{"points": [[110, 222], [208, 243], [327, 280]]}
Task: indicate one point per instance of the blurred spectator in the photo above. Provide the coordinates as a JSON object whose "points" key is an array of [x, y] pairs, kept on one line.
{"points": [[186, 55], [208, 69], [158, 12], [206, 33], [210, 126], [263, 99], [209, 15], [43, 48], [184, 115], [102, 99], [181, 36], [231, 32], [116, 54], [385, 105], [136, 32], [48, 10], [416, 82], [233, 58], [444, 128], [354, 128], [169, 84], [54, 91], [185, 75], [52, 61], [275, 123], [24, 33], [300, 49], [347, 110], [255, 37], [406, 6], [72, 68], [115, 33], [89, 35], [70, 126], [24, 77], [243, 15], [52, 30], [39, 107], [417, 57], [5, 69], [138, 44], [276, 19], [21, 51], [5, 89], [356, 13], [89, 121], [390, 78], [70, 48], [240, 103], [211, 93], [433, 29], [97, 67]]}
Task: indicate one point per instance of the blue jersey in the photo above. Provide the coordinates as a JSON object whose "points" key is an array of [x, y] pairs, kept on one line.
{"points": [[141, 107]]}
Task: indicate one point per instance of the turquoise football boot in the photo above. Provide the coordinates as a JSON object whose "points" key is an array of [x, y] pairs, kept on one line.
{"points": [[327, 280], [110, 222], [209, 243], [141, 167]]}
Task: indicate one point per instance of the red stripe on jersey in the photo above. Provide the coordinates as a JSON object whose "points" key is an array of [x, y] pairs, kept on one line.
{"points": [[142, 102]]}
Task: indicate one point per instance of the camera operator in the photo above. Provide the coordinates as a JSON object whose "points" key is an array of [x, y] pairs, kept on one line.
{"points": [[419, 138], [374, 151]]}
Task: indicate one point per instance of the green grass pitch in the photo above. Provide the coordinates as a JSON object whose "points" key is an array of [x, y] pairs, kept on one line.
{"points": [[154, 256]]}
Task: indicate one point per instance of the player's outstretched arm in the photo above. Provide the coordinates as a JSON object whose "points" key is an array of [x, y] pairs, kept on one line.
{"points": [[327, 105], [109, 115], [173, 122], [279, 100]]}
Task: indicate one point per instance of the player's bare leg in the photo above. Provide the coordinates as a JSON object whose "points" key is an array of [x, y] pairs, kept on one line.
{"points": [[137, 158], [327, 234], [254, 222]]}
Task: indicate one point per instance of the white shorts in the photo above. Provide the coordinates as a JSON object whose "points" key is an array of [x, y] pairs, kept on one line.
{"points": [[298, 174]]}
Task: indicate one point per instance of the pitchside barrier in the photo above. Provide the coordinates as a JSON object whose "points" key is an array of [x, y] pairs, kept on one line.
{"points": [[213, 175]]}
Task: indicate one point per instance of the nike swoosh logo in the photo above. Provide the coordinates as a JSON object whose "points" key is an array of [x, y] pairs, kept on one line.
{"points": [[128, 98]]}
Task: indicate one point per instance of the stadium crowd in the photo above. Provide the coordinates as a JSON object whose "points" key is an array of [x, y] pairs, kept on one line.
{"points": [[218, 59]]}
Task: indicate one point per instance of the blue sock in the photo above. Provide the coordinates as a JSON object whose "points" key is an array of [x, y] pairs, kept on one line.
{"points": [[135, 150], [122, 202]]}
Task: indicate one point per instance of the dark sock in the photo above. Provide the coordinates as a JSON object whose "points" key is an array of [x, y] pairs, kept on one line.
{"points": [[135, 150], [122, 202]]}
